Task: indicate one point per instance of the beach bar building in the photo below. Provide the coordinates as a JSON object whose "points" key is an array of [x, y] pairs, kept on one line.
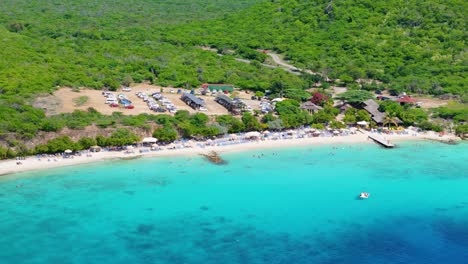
{"points": [[406, 100], [234, 106], [192, 101], [311, 107], [372, 108], [149, 141]]}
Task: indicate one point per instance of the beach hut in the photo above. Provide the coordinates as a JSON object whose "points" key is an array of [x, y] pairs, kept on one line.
{"points": [[192, 101], [147, 141]]}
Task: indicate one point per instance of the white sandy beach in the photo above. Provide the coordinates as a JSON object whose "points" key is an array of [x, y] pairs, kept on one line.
{"points": [[33, 163]]}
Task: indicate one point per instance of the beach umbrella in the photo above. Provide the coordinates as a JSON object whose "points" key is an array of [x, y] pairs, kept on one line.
{"points": [[68, 151], [252, 134], [149, 140], [130, 147], [266, 132], [154, 145], [362, 123], [233, 136], [336, 132]]}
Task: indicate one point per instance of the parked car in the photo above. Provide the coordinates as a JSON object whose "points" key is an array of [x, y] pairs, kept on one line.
{"points": [[111, 101], [393, 93], [114, 105], [129, 107], [127, 89], [382, 98]]}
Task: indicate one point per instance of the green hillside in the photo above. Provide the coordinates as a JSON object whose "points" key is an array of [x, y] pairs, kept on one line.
{"points": [[416, 45], [102, 43]]}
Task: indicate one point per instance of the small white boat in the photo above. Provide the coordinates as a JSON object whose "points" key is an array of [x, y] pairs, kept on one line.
{"points": [[364, 195]]}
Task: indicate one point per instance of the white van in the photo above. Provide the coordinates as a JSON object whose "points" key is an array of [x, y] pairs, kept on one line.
{"points": [[111, 101]]}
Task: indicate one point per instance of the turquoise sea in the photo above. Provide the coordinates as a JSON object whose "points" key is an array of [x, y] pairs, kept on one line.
{"points": [[296, 205]]}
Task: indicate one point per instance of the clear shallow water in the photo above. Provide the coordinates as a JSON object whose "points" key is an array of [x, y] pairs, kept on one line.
{"points": [[288, 206]]}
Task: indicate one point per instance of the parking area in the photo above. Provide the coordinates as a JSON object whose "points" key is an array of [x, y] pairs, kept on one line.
{"points": [[97, 100]]}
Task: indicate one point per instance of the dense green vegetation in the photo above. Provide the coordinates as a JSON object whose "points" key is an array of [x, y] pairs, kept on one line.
{"points": [[454, 111], [417, 46]]}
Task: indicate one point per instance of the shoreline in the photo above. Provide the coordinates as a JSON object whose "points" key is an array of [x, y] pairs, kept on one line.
{"points": [[31, 163]]}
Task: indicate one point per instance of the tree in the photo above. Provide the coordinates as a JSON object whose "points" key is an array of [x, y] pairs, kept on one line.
{"points": [[60, 144], [350, 116], [122, 137], [321, 117], [128, 80], [250, 122], [275, 124], [413, 116], [319, 98], [259, 94], [461, 130], [390, 119], [355, 96], [337, 125], [86, 143], [233, 124], [165, 134], [363, 115], [101, 141], [346, 78]]}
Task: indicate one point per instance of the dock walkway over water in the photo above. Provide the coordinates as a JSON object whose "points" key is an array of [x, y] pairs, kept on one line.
{"points": [[383, 142]]}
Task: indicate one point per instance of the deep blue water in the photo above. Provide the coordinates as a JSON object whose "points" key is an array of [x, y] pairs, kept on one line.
{"points": [[272, 206]]}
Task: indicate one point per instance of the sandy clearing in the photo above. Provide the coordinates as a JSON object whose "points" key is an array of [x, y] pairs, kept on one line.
{"points": [[64, 101]]}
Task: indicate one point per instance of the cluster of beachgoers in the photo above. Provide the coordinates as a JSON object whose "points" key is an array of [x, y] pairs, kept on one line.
{"points": [[229, 143]]}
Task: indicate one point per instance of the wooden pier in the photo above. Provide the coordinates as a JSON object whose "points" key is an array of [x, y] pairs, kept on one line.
{"points": [[382, 142]]}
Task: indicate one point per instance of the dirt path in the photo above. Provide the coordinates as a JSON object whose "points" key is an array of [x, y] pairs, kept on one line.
{"points": [[291, 68]]}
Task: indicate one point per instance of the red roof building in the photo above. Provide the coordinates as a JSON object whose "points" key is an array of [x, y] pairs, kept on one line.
{"points": [[406, 100]]}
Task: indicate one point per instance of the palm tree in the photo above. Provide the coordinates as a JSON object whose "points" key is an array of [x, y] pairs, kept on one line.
{"points": [[390, 119]]}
